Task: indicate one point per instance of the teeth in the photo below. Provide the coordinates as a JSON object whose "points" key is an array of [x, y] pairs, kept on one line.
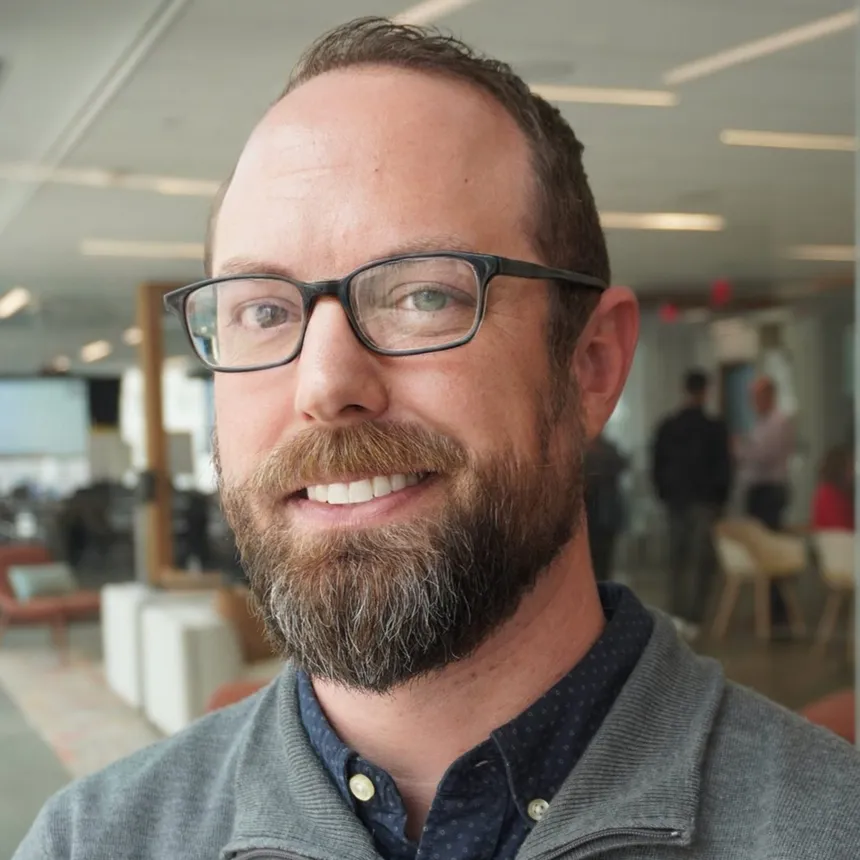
{"points": [[381, 486], [361, 491], [338, 494]]}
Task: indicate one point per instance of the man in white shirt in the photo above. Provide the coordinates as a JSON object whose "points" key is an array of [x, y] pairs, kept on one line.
{"points": [[763, 458]]}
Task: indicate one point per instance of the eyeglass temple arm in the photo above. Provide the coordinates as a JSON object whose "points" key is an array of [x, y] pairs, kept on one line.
{"points": [[518, 269]]}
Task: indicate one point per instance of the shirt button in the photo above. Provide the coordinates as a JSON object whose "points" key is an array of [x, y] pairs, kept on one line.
{"points": [[362, 787], [537, 809]]}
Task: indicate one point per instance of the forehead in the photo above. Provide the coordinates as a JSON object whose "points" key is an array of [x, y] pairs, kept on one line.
{"points": [[357, 162]]}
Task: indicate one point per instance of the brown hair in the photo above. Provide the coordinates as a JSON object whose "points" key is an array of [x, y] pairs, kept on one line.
{"points": [[566, 227]]}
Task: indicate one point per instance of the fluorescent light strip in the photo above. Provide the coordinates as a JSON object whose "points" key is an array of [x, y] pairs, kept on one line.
{"points": [[786, 140], [96, 351], [173, 186], [142, 250], [761, 48], [15, 300], [606, 96], [823, 253], [681, 221], [430, 11]]}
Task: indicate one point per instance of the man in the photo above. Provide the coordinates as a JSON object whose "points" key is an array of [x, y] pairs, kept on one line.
{"points": [[400, 441], [604, 503], [765, 454], [691, 469], [763, 458]]}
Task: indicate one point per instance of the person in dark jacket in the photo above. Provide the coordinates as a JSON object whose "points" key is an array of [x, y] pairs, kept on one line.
{"points": [[604, 504], [692, 473]]}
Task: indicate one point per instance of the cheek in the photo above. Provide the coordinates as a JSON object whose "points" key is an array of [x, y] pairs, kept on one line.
{"points": [[483, 398], [249, 419]]}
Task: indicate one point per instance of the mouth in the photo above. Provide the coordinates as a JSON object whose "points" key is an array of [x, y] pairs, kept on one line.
{"points": [[362, 490]]}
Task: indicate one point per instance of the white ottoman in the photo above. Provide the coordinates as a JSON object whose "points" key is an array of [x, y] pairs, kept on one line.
{"points": [[122, 604], [189, 651]]}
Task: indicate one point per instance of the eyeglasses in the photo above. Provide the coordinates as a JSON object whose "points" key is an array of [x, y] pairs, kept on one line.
{"points": [[404, 305]]}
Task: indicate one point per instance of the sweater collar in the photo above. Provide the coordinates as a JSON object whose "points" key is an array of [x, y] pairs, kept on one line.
{"points": [[638, 780]]}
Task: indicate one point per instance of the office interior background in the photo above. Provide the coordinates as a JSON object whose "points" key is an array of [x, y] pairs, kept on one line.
{"points": [[721, 146]]}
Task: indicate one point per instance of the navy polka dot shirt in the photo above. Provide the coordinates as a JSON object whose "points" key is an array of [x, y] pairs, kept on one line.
{"points": [[490, 798]]}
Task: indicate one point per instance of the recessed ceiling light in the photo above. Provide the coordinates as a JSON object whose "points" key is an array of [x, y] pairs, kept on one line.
{"points": [[99, 178], [62, 363], [15, 300], [149, 250], [430, 10], [133, 336], [761, 48], [96, 351], [605, 95], [786, 140], [823, 253], [662, 221]]}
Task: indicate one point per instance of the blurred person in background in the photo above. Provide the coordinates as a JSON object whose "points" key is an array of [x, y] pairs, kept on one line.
{"points": [[409, 299], [833, 500], [604, 503], [692, 474], [763, 458]]}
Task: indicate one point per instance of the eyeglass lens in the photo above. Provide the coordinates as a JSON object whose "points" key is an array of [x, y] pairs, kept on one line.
{"points": [[401, 306]]}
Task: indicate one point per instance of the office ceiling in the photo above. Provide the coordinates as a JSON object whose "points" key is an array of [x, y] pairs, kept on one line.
{"points": [[148, 88]]}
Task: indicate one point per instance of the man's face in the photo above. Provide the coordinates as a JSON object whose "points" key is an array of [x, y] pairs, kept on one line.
{"points": [[351, 167], [763, 396]]}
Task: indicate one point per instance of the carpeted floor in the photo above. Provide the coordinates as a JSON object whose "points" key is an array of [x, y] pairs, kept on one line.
{"points": [[72, 709]]}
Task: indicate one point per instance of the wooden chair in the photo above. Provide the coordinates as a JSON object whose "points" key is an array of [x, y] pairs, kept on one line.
{"points": [[55, 612], [751, 554], [835, 553]]}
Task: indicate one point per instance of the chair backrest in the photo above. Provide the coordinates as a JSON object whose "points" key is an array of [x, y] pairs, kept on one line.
{"points": [[15, 554], [835, 551], [774, 552], [734, 557], [777, 552]]}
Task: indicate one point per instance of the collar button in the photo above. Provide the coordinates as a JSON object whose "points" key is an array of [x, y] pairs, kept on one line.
{"points": [[361, 787], [537, 809]]}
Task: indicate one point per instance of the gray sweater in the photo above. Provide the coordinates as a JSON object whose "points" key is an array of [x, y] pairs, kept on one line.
{"points": [[684, 766]]}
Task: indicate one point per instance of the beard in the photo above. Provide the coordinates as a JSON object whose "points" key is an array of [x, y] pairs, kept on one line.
{"points": [[375, 608]]}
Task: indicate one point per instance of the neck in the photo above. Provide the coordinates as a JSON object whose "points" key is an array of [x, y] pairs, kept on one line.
{"points": [[419, 730]]}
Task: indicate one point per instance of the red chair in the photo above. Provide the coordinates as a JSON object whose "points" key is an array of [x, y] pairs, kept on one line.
{"points": [[235, 691], [57, 611], [836, 712]]}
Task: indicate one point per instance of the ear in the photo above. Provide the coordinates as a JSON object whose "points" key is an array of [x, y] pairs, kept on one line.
{"points": [[603, 355]]}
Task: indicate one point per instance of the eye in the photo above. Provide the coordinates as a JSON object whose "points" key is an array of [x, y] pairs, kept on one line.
{"points": [[426, 300], [267, 315]]}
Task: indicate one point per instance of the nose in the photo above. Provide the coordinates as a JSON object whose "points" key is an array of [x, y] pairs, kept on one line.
{"points": [[339, 380]]}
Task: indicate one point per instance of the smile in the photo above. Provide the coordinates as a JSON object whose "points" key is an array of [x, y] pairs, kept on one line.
{"points": [[364, 490]]}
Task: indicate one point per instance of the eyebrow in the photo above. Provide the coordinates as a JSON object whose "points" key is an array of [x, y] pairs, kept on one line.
{"points": [[241, 265]]}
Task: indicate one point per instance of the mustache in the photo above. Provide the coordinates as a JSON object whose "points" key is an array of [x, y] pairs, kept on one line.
{"points": [[321, 456]]}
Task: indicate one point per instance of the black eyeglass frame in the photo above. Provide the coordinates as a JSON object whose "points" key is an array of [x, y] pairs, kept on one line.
{"points": [[486, 266]]}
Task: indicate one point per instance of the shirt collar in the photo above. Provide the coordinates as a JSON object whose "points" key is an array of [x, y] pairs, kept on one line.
{"points": [[644, 769], [539, 747]]}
